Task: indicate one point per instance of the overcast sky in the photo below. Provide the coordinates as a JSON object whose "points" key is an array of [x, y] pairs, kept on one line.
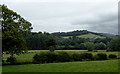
{"points": [[68, 15]]}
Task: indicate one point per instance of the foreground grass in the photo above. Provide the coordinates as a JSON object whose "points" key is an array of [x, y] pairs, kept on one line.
{"points": [[84, 66], [28, 57]]}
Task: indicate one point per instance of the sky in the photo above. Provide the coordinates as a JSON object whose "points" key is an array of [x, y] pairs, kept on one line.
{"points": [[68, 15]]}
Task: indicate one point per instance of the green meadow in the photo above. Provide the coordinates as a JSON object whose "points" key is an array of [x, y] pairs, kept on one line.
{"points": [[84, 66], [28, 57]]}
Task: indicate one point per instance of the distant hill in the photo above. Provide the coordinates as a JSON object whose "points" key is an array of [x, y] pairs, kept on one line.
{"points": [[84, 34], [89, 35]]}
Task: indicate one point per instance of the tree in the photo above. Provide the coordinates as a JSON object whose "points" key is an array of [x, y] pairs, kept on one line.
{"points": [[51, 44], [90, 46], [14, 27], [37, 41], [100, 46], [82, 46], [114, 45]]}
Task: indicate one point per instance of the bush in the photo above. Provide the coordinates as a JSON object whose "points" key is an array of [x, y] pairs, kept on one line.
{"points": [[76, 57], [112, 56], [86, 56], [36, 59], [48, 57], [100, 56], [11, 59], [63, 57], [51, 48], [40, 58], [51, 57]]}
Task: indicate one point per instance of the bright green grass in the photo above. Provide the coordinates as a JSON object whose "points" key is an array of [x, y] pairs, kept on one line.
{"points": [[84, 66], [86, 36], [28, 57], [90, 36]]}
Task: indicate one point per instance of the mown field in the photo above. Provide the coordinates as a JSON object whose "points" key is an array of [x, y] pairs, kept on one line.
{"points": [[85, 66], [28, 57]]}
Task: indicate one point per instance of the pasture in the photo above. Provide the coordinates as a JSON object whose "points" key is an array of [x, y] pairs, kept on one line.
{"points": [[87, 36], [86, 66], [28, 57], [78, 66]]}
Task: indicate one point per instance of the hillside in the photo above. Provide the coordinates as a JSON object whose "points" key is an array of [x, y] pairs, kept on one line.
{"points": [[89, 35], [84, 34]]}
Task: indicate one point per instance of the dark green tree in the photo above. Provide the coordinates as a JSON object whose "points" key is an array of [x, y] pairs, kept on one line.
{"points": [[114, 45], [100, 46], [14, 27], [90, 46], [51, 44]]}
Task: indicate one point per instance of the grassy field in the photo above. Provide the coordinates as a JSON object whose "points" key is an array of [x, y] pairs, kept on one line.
{"points": [[29, 56], [86, 66], [87, 36]]}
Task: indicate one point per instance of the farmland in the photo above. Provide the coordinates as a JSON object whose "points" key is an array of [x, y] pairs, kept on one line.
{"points": [[29, 56], [86, 66], [78, 66], [87, 36]]}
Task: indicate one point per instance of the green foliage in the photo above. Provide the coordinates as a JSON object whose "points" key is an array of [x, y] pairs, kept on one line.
{"points": [[63, 57], [51, 44], [82, 46], [103, 40], [11, 59], [86, 56], [48, 57], [114, 45], [100, 56], [37, 41], [40, 58], [76, 57], [90, 46], [100, 46], [51, 57], [112, 56], [13, 29], [51, 48]]}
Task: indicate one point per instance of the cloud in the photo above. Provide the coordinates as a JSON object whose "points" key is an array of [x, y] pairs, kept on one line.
{"points": [[64, 15]]}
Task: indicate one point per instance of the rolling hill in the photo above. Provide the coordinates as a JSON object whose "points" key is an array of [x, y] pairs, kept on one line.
{"points": [[84, 34]]}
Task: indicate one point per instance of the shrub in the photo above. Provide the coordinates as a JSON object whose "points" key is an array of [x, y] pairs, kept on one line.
{"points": [[112, 56], [51, 48], [100, 56], [11, 59], [36, 59], [40, 58], [76, 57], [51, 57], [63, 57], [86, 56]]}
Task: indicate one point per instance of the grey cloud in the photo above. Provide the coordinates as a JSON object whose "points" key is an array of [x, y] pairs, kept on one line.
{"points": [[53, 17]]}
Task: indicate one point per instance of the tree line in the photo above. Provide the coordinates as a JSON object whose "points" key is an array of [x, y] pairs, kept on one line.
{"points": [[38, 42]]}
